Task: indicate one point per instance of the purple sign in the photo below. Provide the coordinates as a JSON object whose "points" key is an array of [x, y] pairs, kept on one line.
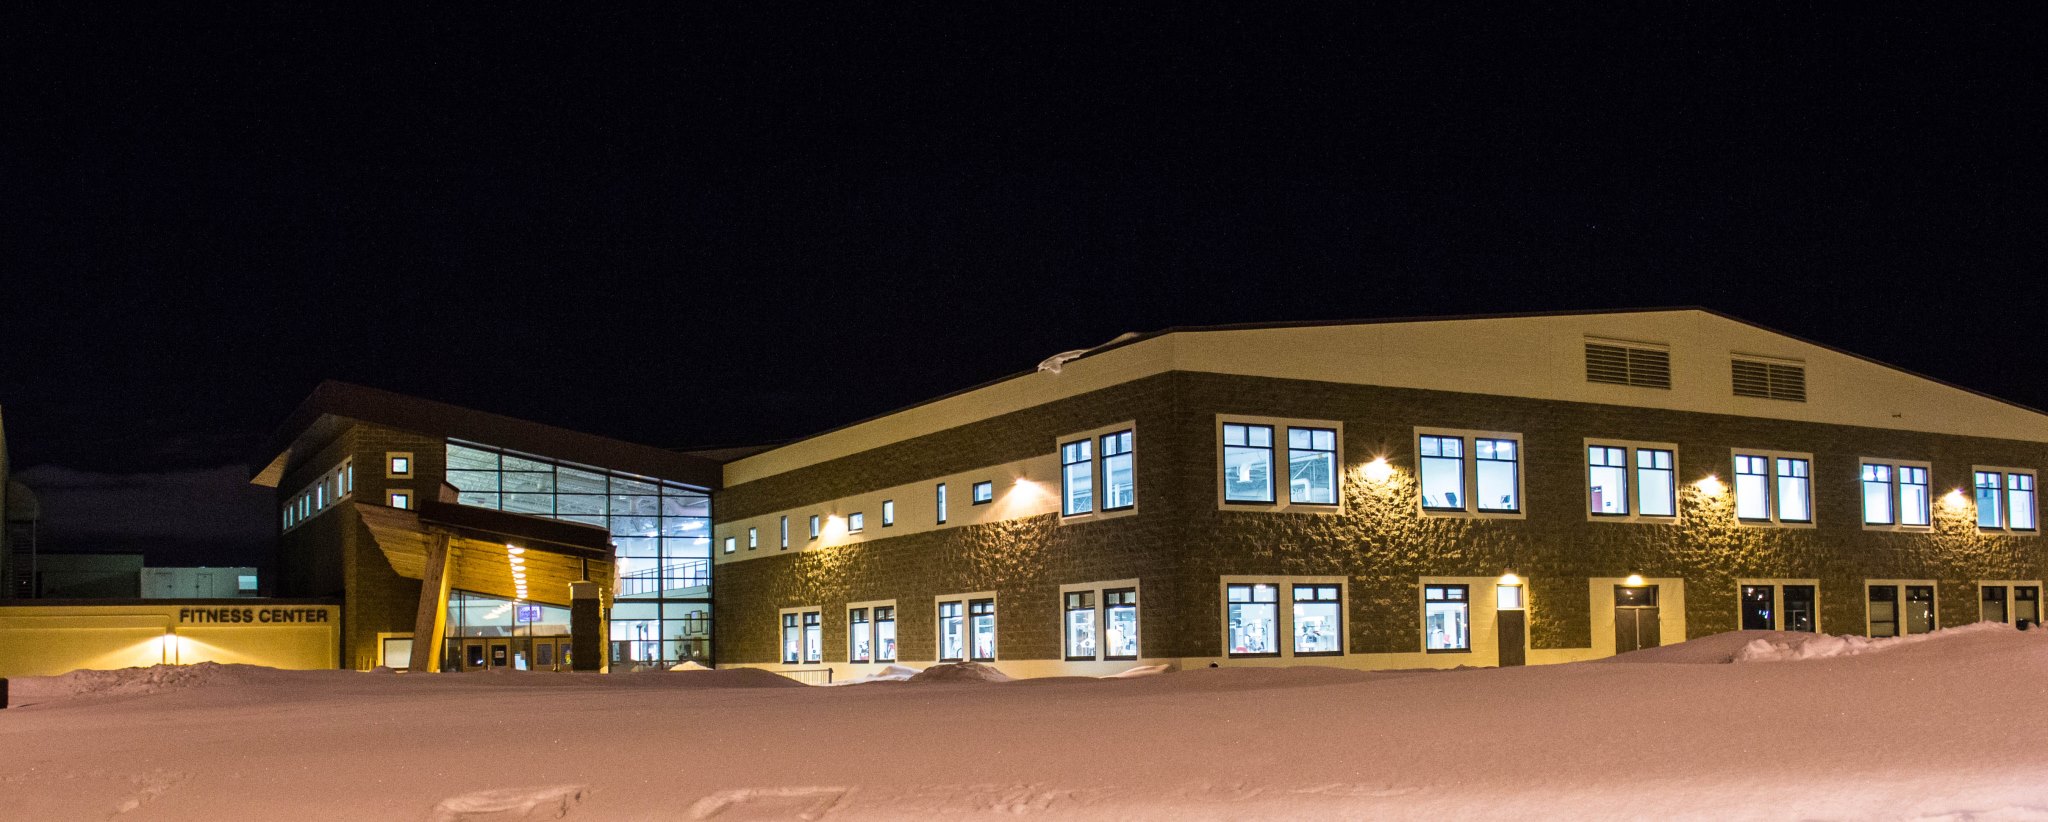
{"points": [[529, 613]]}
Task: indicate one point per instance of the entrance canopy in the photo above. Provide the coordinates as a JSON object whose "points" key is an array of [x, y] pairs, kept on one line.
{"points": [[552, 553]]}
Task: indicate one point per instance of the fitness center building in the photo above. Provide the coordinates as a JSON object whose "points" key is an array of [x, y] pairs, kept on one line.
{"points": [[1439, 492], [510, 543]]}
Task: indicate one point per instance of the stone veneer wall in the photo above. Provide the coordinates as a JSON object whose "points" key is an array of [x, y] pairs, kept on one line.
{"points": [[1179, 543]]}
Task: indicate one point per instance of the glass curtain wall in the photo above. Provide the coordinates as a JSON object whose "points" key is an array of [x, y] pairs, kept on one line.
{"points": [[661, 536]]}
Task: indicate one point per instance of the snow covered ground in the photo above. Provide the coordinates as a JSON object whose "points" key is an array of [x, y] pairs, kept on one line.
{"points": [[1945, 727]]}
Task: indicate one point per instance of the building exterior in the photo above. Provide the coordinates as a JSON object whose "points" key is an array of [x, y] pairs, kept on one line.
{"points": [[88, 576], [514, 544], [1426, 493], [52, 637]]}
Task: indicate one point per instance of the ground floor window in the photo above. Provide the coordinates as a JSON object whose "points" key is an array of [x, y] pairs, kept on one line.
{"points": [[1081, 625], [1254, 614], [1900, 608], [1774, 607], [652, 633], [1100, 620], [802, 635], [952, 631], [860, 636], [1446, 618], [2011, 602], [981, 615], [1318, 621], [885, 633]]}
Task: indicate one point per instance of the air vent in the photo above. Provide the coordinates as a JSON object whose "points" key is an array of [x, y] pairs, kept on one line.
{"points": [[1628, 365], [1769, 380]]}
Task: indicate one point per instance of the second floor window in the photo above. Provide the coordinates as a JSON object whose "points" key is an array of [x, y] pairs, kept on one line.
{"points": [[1077, 477], [2005, 499], [1493, 486], [1773, 488], [1312, 465], [1119, 481], [1894, 494], [1247, 463]]}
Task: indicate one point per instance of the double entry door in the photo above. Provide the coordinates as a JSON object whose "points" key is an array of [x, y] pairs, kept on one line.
{"points": [[1636, 618]]}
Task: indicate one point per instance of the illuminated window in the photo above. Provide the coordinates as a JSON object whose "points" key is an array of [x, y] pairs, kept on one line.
{"points": [[398, 464], [814, 637], [860, 638], [1446, 618], [753, 538], [398, 499], [1081, 625], [1880, 489], [2005, 499], [885, 633], [1077, 477], [730, 544], [1494, 485], [856, 522], [1119, 481], [1247, 463], [783, 525], [981, 614], [888, 512], [792, 637], [1894, 494], [1607, 478], [2009, 603], [815, 529], [952, 631], [984, 492], [1773, 487], [1120, 623], [942, 503], [1253, 614], [245, 583], [1312, 466], [1318, 621]]}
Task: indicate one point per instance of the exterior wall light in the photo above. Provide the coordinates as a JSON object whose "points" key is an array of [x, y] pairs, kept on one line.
{"points": [[1633, 581], [1710, 485], [1508, 592], [1378, 470], [1955, 500]]}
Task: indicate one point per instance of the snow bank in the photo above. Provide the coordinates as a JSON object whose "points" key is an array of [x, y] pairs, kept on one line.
{"points": [[1825, 646], [892, 673], [960, 672], [1142, 670], [687, 665], [138, 681]]}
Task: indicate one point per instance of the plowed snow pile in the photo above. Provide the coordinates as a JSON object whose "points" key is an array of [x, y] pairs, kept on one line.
{"points": [[1815, 736]]}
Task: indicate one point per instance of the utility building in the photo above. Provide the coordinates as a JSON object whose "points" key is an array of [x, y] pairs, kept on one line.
{"points": [[1438, 492]]}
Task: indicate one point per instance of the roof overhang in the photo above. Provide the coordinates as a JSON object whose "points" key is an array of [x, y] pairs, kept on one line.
{"points": [[553, 553]]}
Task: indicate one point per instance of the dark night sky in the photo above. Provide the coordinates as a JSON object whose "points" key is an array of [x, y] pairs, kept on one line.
{"points": [[700, 230]]}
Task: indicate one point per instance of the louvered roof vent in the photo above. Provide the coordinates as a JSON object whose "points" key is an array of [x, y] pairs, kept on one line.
{"points": [[1769, 380], [1622, 363]]}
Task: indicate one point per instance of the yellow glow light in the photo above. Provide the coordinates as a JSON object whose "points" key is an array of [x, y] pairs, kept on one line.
{"points": [[1633, 581], [514, 549], [1509, 578], [1710, 485], [1955, 500], [1378, 470]]}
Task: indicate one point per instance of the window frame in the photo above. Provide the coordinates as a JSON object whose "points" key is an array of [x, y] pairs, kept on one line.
{"points": [[1271, 449], [1471, 632], [1100, 591], [391, 459], [1632, 474], [1094, 441], [817, 527], [1077, 455], [1777, 585], [1897, 495], [1282, 464], [965, 601], [1469, 467], [793, 617], [1283, 617], [1294, 603], [856, 522], [1773, 504], [939, 499], [2011, 596], [753, 538], [1898, 588], [400, 498], [2005, 497], [872, 633], [784, 525], [888, 513], [983, 492]]}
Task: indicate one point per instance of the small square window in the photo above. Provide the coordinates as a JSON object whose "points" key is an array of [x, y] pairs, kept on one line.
{"points": [[398, 464], [399, 499], [246, 583], [984, 492], [730, 544], [856, 522]]}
